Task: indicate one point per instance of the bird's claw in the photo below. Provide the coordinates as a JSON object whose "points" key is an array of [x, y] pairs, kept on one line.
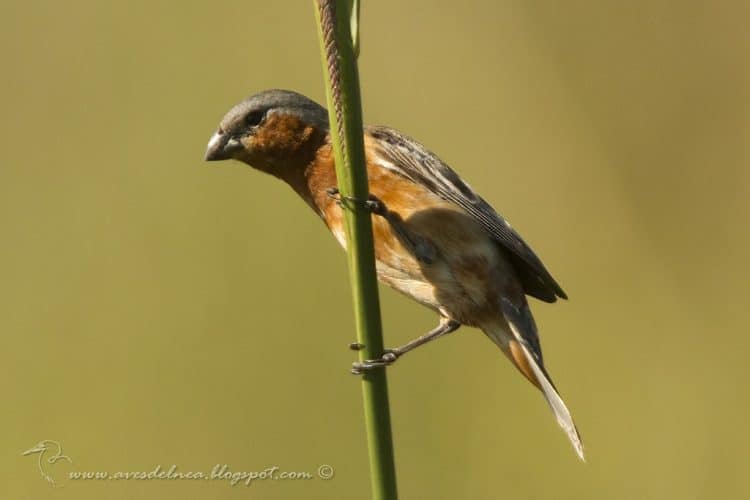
{"points": [[372, 203], [387, 359]]}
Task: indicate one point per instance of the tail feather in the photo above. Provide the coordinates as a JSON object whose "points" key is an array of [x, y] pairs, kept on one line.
{"points": [[564, 418], [521, 345]]}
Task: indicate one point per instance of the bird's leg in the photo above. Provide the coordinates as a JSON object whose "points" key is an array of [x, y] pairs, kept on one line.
{"points": [[391, 355], [420, 247]]}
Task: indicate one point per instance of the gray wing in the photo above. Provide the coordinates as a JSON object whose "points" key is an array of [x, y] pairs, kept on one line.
{"points": [[412, 160]]}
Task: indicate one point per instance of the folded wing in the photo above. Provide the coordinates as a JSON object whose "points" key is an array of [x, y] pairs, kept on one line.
{"points": [[412, 160]]}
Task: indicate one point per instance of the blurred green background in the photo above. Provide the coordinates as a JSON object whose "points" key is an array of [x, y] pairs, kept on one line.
{"points": [[159, 310]]}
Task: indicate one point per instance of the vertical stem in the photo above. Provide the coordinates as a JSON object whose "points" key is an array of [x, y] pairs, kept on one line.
{"points": [[335, 18]]}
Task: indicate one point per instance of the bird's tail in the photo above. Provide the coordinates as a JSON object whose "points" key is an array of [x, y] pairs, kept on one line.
{"points": [[522, 355]]}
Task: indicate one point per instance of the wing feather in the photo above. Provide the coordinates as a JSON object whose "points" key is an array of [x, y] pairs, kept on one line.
{"points": [[412, 160]]}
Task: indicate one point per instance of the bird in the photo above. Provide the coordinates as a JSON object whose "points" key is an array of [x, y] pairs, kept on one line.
{"points": [[435, 239], [42, 448]]}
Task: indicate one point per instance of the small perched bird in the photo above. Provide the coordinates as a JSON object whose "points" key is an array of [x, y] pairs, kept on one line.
{"points": [[436, 240]]}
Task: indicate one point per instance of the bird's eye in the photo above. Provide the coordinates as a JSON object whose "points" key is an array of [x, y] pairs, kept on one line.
{"points": [[254, 118]]}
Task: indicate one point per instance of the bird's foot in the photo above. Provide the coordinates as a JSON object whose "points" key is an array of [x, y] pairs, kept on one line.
{"points": [[372, 204], [388, 358]]}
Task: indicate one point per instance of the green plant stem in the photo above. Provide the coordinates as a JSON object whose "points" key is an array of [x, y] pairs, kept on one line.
{"points": [[335, 19]]}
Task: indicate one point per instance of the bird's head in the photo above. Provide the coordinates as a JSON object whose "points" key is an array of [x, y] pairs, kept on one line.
{"points": [[273, 131]]}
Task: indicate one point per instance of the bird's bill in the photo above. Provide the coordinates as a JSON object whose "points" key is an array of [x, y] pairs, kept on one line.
{"points": [[35, 449], [221, 146]]}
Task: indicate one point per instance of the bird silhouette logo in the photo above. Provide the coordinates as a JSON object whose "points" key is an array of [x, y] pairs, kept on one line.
{"points": [[50, 452]]}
